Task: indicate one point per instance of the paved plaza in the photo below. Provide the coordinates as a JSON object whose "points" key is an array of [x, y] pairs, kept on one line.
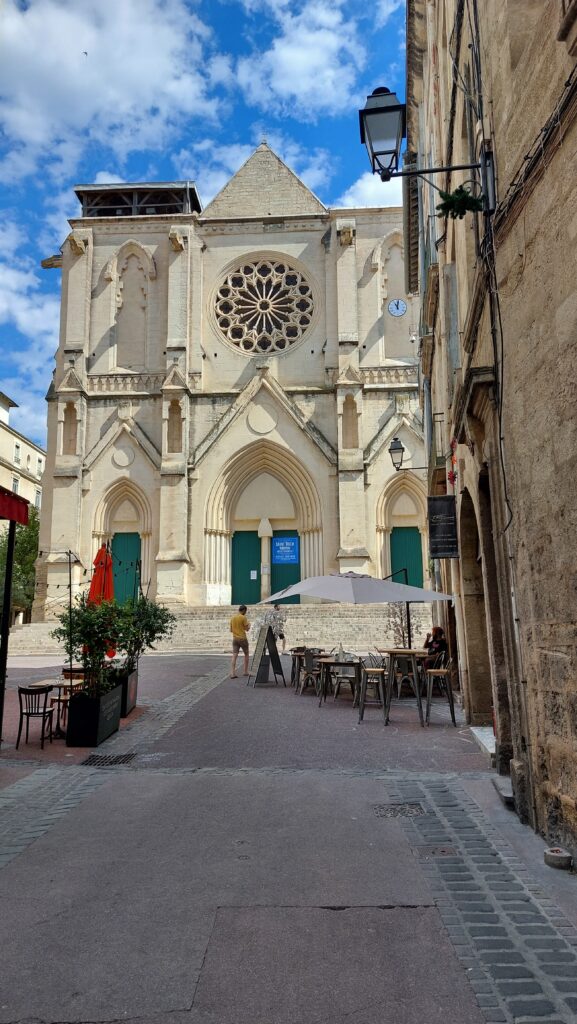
{"points": [[242, 856]]}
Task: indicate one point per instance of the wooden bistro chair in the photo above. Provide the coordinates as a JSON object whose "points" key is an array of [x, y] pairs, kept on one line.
{"points": [[34, 704], [310, 672], [63, 699], [441, 674]]}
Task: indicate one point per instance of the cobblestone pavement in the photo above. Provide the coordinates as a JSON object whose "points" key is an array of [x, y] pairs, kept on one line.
{"points": [[512, 943]]}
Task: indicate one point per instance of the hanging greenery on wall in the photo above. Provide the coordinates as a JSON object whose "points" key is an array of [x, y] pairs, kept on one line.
{"points": [[456, 204]]}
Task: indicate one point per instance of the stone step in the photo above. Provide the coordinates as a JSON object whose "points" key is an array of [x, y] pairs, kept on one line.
{"points": [[358, 627]]}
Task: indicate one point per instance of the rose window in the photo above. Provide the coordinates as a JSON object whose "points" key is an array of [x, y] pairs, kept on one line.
{"points": [[264, 306]]}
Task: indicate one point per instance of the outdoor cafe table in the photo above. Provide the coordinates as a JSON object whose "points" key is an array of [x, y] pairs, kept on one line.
{"points": [[415, 654], [328, 663], [61, 685]]}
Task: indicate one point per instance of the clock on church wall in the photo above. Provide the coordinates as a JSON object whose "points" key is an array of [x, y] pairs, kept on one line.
{"points": [[264, 304], [397, 307]]}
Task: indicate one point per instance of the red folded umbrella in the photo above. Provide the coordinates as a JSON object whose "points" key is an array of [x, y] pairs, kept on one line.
{"points": [[102, 583]]}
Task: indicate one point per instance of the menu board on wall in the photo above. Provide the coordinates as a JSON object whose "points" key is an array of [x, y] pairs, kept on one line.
{"points": [[442, 514]]}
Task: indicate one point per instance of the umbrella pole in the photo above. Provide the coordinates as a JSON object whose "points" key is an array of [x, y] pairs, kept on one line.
{"points": [[5, 620], [407, 605], [70, 611]]}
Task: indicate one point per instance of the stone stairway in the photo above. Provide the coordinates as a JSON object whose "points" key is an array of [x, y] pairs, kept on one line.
{"points": [[357, 627]]}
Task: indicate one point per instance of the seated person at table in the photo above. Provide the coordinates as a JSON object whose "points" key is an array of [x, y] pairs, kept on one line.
{"points": [[435, 644]]}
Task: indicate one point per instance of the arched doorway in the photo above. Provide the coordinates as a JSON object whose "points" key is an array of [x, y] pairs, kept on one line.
{"points": [[124, 518], [263, 525], [477, 671], [401, 519], [499, 673]]}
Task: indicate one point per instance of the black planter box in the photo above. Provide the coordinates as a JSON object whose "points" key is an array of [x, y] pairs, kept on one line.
{"points": [[129, 685], [91, 720]]}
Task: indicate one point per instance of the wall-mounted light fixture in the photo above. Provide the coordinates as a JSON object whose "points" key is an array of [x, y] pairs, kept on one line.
{"points": [[383, 128], [397, 452]]}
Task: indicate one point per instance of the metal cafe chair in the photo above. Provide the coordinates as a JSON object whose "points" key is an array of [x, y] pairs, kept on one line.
{"points": [[441, 674], [372, 675], [34, 704], [343, 674]]}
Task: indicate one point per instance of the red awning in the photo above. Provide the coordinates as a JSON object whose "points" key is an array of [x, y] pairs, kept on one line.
{"points": [[13, 507]]}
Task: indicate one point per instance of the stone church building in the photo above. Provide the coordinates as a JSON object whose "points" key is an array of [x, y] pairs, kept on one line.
{"points": [[227, 384]]}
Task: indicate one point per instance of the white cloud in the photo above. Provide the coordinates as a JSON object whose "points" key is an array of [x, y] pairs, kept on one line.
{"points": [[121, 75], [384, 9], [310, 67], [31, 318], [369, 190], [106, 178]]}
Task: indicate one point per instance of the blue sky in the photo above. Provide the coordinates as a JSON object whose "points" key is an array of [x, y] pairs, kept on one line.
{"points": [[164, 90]]}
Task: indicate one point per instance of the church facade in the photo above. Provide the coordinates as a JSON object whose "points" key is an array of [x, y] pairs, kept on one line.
{"points": [[227, 384]]}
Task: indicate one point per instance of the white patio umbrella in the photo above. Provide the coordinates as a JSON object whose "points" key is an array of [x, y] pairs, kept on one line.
{"points": [[356, 588]]}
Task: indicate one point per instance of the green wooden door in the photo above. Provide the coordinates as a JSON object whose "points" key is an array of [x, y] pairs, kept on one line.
{"points": [[126, 566], [285, 564], [406, 553], [245, 567]]}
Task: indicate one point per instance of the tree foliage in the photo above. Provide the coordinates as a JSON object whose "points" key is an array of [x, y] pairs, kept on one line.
{"points": [[25, 555], [88, 631], [140, 624]]}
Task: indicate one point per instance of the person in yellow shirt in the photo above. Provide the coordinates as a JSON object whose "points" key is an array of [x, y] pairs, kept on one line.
{"points": [[239, 625]]}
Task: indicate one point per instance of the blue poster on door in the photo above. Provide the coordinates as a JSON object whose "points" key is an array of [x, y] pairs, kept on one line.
{"points": [[285, 550]]}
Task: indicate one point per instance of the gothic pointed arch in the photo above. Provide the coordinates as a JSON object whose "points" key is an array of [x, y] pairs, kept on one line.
{"points": [[256, 459], [249, 463], [122, 493], [130, 248], [404, 483], [124, 508], [401, 505], [130, 272], [382, 250]]}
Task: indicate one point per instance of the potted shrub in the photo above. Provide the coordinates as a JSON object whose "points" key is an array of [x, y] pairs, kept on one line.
{"points": [[87, 631], [140, 624]]}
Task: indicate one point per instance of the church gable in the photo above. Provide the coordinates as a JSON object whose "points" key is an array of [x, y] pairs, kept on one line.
{"points": [[263, 187], [263, 400], [127, 441]]}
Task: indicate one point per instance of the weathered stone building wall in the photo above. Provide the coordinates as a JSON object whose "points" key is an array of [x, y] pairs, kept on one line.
{"points": [[499, 351]]}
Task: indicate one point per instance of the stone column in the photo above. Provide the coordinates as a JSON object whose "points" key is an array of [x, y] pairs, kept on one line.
{"points": [[265, 534]]}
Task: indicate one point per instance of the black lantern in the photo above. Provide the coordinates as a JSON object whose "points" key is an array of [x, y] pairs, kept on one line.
{"points": [[397, 451], [382, 123]]}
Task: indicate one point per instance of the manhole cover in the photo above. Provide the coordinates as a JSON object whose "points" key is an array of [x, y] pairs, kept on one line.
{"points": [[398, 810], [106, 760], [424, 852]]}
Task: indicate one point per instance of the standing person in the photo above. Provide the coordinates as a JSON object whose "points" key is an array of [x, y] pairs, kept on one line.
{"points": [[278, 621], [239, 625], [435, 644]]}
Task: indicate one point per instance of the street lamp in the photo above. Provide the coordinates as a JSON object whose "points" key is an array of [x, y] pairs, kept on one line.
{"points": [[383, 128], [382, 124], [397, 453]]}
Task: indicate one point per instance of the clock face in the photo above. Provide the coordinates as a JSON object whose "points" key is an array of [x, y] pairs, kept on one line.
{"points": [[397, 307]]}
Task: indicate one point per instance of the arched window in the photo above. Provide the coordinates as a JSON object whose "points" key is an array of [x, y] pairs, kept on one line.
{"points": [[350, 423], [174, 439], [131, 314], [69, 430]]}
